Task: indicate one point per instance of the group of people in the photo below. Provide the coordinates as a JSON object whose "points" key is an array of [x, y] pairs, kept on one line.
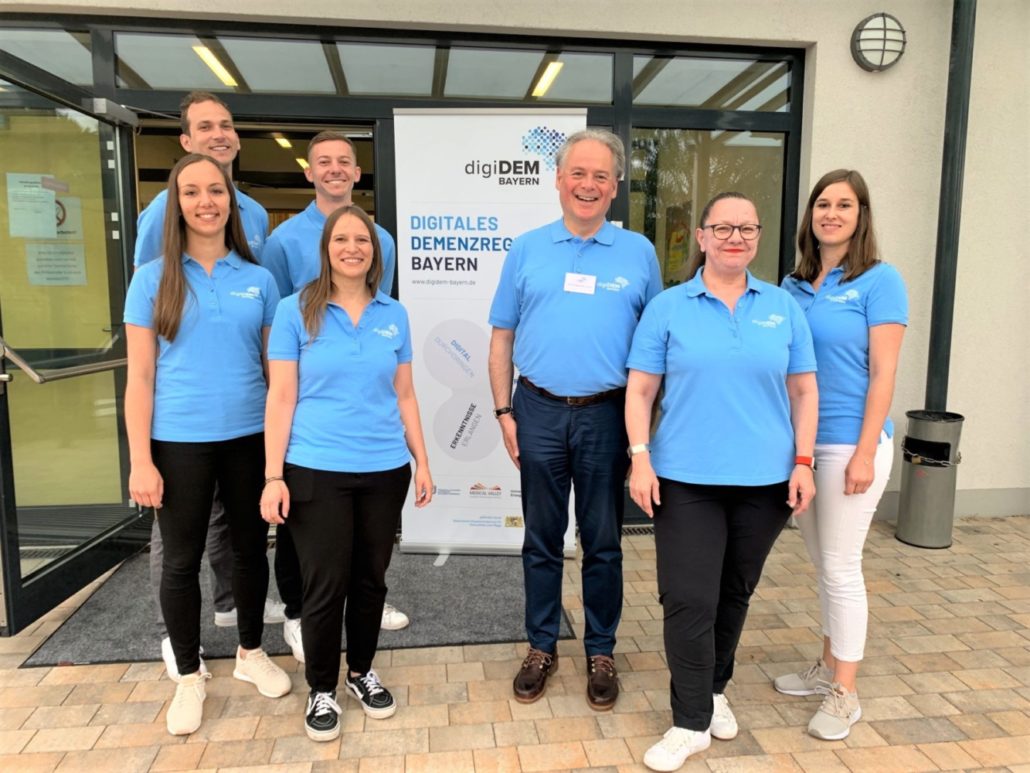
{"points": [[301, 412], [214, 361], [768, 396]]}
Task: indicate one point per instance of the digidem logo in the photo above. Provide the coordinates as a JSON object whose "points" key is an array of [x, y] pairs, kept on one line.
{"points": [[538, 141]]}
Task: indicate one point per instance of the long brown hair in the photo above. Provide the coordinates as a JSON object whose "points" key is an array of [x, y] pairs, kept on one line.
{"points": [[314, 298], [171, 292], [862, 252], [698, 258]]}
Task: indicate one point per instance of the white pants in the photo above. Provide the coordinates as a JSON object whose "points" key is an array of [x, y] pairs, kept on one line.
{"points": [[834, 530]]}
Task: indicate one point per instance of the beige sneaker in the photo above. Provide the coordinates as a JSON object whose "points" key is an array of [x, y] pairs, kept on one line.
{"points": [[840, 710], [816, 679], [258, 669], [676, 745], [187, 709]]}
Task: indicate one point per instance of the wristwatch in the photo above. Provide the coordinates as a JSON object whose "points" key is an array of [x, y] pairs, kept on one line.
{"points": [[499, 412], [807, 461], [639, 448]]}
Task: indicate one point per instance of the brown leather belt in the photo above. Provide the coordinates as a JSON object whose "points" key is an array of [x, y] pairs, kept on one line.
{"points": [[600, 397]]}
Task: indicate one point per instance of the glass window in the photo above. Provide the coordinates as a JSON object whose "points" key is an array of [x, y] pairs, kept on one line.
{"points": [[529, 75], [399, 70], [717, 84], [674, 172], [62, 53], [60, 306], [222, 64]]}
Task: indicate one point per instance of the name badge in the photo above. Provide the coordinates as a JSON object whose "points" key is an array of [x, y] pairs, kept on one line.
{"points": [[580, 283]]}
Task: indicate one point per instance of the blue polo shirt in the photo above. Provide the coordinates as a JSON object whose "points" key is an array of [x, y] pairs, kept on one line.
{"points": [[725, 412], [346, 419], [291, 252], [150, 226], [840, 315], [575, 343], [209, 383]]}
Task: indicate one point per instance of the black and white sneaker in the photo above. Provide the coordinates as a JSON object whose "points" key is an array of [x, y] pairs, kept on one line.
{"points": [[375, 699], [322, 719]]}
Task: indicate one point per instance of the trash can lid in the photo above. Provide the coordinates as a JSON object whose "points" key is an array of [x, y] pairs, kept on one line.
{"points": [[943, 416]]}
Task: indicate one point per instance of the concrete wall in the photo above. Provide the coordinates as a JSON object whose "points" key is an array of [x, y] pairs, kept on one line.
{"points": [[888, 125]]}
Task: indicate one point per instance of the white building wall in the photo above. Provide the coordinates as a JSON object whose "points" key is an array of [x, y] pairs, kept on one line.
{"points": [[888, 125]]}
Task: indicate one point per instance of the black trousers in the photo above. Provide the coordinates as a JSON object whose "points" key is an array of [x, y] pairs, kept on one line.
{"points": [[190, 472], [343, 525], [711, 544]]}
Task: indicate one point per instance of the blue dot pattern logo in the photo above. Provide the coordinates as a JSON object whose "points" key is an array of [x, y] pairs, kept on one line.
{"points": [[544, 142]]}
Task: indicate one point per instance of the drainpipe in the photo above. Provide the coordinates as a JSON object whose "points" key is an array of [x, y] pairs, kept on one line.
{"points": [[963, 22]]}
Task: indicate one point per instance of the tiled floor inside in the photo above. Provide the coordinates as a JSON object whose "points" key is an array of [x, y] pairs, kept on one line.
{"points": [[945, 685]]}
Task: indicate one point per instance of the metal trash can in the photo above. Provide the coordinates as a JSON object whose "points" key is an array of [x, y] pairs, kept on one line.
{"points": [[926, 510]]}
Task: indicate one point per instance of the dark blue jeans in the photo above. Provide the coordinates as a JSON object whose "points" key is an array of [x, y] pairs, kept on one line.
{"points": [[560, 447]]}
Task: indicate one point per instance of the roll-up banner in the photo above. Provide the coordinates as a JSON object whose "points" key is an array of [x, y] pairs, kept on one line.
{"points": [[468, 183]]}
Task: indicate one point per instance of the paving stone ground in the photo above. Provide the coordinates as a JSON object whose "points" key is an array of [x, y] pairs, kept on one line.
{"points": [[945, 685]]}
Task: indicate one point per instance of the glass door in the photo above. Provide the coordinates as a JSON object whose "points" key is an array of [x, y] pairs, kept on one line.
{"points": [[66, 517]]}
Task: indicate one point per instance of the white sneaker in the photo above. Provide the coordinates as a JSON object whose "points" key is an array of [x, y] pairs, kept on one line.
{"points": [[169, 658], [840, 710], [259, 669], [275, 612], [393, 618], [293, 639], [676, 745], [187, 707], [815, 679], [724, 724]]}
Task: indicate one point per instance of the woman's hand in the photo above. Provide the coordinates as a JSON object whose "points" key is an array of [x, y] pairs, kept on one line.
{"points": [[423, 486], [858, 475], [800, 488], [643, 484], [146, 486], [275, 502]]}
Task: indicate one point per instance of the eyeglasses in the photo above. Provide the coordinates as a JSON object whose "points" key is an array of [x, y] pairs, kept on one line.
{"points": [[748, 232]]}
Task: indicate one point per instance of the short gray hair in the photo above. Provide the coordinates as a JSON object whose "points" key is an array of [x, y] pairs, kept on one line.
{"points": [[606, 138]]}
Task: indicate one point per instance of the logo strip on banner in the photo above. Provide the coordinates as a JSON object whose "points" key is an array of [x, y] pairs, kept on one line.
{"points": [[468, 183]]}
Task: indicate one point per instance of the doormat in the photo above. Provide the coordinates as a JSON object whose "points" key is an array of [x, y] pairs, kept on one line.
{"points": [[463, 600]]}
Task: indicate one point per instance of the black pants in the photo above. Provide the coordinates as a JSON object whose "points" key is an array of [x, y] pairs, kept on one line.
{"points": [[190, 472], [711, 543], [287, 571], [343, 525]]}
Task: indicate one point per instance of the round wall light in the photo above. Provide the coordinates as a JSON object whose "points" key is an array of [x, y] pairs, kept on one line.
{"points": [[878, 42]]}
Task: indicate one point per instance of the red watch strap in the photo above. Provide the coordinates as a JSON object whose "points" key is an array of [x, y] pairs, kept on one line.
{"points": [[808, 461]]}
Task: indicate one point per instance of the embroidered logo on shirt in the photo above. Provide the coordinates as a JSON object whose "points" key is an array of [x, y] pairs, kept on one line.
{"points": [[850, 295], [616, 285], [390, 332], [773, 321], [251, 293]]}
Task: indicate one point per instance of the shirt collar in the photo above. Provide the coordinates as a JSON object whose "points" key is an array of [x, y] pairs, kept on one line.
{"points": [[696, 286], [314, 214], [605, 234], [232, 259]]}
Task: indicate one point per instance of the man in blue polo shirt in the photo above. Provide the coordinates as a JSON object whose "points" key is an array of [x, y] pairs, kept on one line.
{"points": [[564, 313], [291, 253], [207, 127]]}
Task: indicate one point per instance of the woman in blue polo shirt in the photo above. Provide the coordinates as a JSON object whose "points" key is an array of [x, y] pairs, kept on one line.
{"points": [[196, 323], [342, 426], [730, 460], [857, 308]]}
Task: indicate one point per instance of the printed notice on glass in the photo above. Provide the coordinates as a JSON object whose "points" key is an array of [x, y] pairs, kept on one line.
{"points": [[30, 207], [54, 263]]}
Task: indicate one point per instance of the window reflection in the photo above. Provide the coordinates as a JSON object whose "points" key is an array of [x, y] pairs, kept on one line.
{"points": [[716, 84], [674, 172], [66, 54]]}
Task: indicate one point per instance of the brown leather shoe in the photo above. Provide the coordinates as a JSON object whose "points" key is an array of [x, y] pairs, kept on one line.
{"points": [[602, 682], [531, 679]]}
